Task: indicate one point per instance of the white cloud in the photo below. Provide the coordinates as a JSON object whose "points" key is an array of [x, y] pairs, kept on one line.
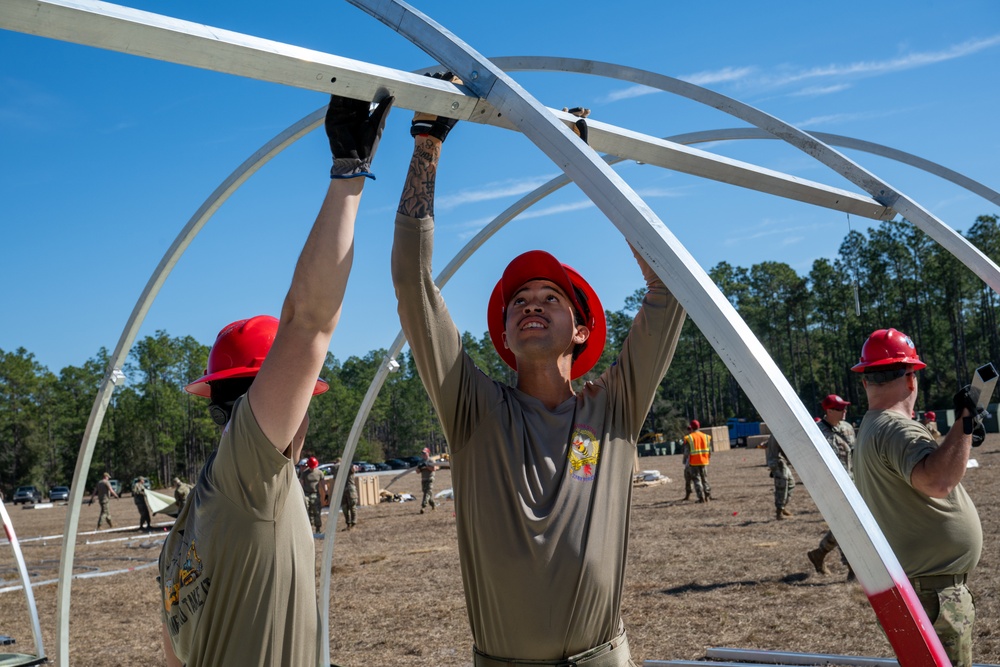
{"points": [[723, 75], [472, 227], [490, 191], [630, 92], [816, 91]]}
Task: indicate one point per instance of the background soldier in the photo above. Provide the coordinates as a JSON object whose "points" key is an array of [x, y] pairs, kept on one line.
{"points": [[349, 502], [697, 452], [139, 498], [840, 434], [784, 481], [929, 420], [427, 481], [311, 478], [181, 491], [104, 493]]}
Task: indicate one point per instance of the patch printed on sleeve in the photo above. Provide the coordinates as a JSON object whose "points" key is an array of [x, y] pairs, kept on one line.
{"points": [[584, 450]]}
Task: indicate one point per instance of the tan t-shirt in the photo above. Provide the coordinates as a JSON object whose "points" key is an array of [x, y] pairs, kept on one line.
{"points": [[542, 496], [929, 536], [238, 569]]}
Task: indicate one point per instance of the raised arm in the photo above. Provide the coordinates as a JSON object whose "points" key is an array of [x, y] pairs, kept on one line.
{"points": [[281, 392], [430, 331]]}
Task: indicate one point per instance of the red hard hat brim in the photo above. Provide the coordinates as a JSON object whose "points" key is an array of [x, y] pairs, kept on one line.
{"points": [[200, 387]]}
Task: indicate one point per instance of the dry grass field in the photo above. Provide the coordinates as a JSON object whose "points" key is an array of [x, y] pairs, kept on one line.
{"points": [[723, 573]]}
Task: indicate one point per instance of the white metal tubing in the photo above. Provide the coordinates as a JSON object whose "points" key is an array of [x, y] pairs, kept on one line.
{"points": [[738, 133], [22, 570], [172, 40], [881, 191], [145, 301], [744, 655], [877, 568]]}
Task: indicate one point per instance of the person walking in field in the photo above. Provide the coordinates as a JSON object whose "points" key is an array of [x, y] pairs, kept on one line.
{"points": [[349, 501], [697, 450], [840, 435], [104, 493], [238, 569], [781, 473], [542, 470], [311, 477], [427, 470]]}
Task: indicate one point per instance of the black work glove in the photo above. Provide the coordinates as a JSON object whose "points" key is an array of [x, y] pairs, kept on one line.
{"points": [[354, 134], [978, 434], [429, 124], [963, 401], [580, 127]]}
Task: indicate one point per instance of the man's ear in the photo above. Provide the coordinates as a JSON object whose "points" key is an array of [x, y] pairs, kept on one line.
{"points": [[503, 337], [581, 334]]}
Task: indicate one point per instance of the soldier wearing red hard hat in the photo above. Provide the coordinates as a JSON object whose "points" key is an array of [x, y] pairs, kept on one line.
{"points": [[697, 450], [311, 478], [929, 420], [542, 471], [913, 487], [244, 530], [840, 435]]}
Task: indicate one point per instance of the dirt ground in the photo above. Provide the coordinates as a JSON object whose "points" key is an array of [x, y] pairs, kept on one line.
{"points": [[724, 573]]}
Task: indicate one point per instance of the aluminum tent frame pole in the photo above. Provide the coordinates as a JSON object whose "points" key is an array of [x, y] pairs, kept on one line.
{"points": [[885, 583], [879, 189], [151, 35], [22, 570]]}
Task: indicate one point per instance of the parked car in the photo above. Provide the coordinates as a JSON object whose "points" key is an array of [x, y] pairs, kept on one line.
{"points": [[363, 466], [397, 464], [27, 494], [382, 466], [116, 485], [59, 493], [413, 460], [329, 469]]}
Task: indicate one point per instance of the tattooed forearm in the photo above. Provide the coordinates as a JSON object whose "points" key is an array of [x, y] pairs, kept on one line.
{"points": [[417, 200]]}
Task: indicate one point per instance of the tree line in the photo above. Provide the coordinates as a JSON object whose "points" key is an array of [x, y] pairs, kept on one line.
{"points": [[813, 326]]}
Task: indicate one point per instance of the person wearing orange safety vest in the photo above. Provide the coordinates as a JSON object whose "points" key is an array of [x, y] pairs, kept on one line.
{"points": [[697, 452]]}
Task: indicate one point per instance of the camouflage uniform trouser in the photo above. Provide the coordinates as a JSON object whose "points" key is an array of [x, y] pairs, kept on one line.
{"points": [[952, 610], [144, 520], [697, 476], [105, 513], [314, 509], [349, 505], [428, 489], [828, 543], [784, 483]]}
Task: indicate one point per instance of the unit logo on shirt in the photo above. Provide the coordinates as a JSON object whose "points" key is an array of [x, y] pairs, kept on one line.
{"points": [[584, 448]]}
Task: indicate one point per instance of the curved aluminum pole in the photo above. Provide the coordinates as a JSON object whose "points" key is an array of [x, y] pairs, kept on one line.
{"points": [[881, 191], [114, 374], [22, 569], [738, 133], [892, 598]]}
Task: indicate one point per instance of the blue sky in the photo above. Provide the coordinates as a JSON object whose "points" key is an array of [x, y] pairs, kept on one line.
{"points": [[106, 155]]}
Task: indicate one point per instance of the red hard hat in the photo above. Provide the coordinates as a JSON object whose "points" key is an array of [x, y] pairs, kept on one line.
{"points": [[834, 402], [540, 265], [238, 352], [887, 347], [694, 425], [930, 416], [312, 462]]}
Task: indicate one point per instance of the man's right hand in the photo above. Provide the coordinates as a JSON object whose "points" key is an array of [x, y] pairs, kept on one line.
{"points": [[425, 124], [354, 134]]}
